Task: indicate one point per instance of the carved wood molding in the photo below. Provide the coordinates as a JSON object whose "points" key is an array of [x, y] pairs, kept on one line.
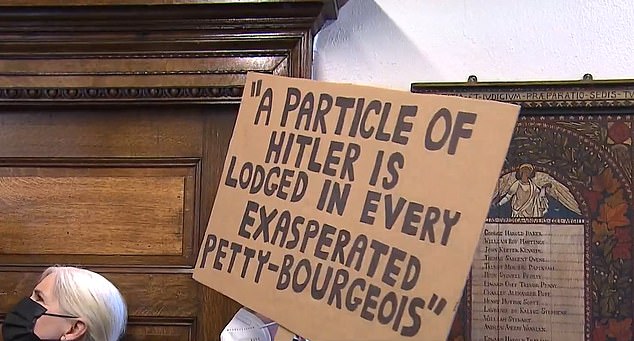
{"points": [[125, 51], [226, 94], [164, 16]]}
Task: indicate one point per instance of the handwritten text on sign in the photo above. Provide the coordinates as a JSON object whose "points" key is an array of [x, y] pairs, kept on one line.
{"points": [[329, 201]]}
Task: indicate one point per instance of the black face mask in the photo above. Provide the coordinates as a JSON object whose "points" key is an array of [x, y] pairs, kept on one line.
{"points": [[20, 321]]}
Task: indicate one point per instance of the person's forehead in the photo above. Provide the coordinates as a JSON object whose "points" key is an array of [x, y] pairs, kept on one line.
{"points": [[46, 286]]}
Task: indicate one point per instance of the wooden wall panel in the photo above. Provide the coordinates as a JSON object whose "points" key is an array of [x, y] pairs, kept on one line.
{"points": [[161, 330], [137, 219], [98, 132], [144, 301], [115, 119], [175, 69], [86, 211], [86, 206], [114, 193]]}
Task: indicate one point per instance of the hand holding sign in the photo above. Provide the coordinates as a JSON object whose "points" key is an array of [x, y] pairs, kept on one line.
{"points": [[355, 206]]}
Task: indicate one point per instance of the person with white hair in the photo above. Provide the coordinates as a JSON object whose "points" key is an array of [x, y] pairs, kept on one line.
{"points": [[68, 304]]}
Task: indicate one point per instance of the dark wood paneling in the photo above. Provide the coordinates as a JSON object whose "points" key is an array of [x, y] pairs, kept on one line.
{"points": [[115, 119], [138, 219], [147, 295], [173, 69], [100, 133], [160, 330], [214, 306], [85, 206], [86, 211]]}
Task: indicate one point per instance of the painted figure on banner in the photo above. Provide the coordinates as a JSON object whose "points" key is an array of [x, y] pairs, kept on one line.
{"points": [[527, 193]]}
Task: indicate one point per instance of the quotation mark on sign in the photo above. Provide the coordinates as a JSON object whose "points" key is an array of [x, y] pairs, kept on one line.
{"points": [[439, 307], [256, 88]]}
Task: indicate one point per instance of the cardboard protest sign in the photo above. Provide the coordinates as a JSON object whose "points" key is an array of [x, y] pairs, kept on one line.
{"points": [[349, 212]]}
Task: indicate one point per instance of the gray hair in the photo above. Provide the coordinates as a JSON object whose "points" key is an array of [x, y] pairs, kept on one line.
{"points": [[93, 298]]}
